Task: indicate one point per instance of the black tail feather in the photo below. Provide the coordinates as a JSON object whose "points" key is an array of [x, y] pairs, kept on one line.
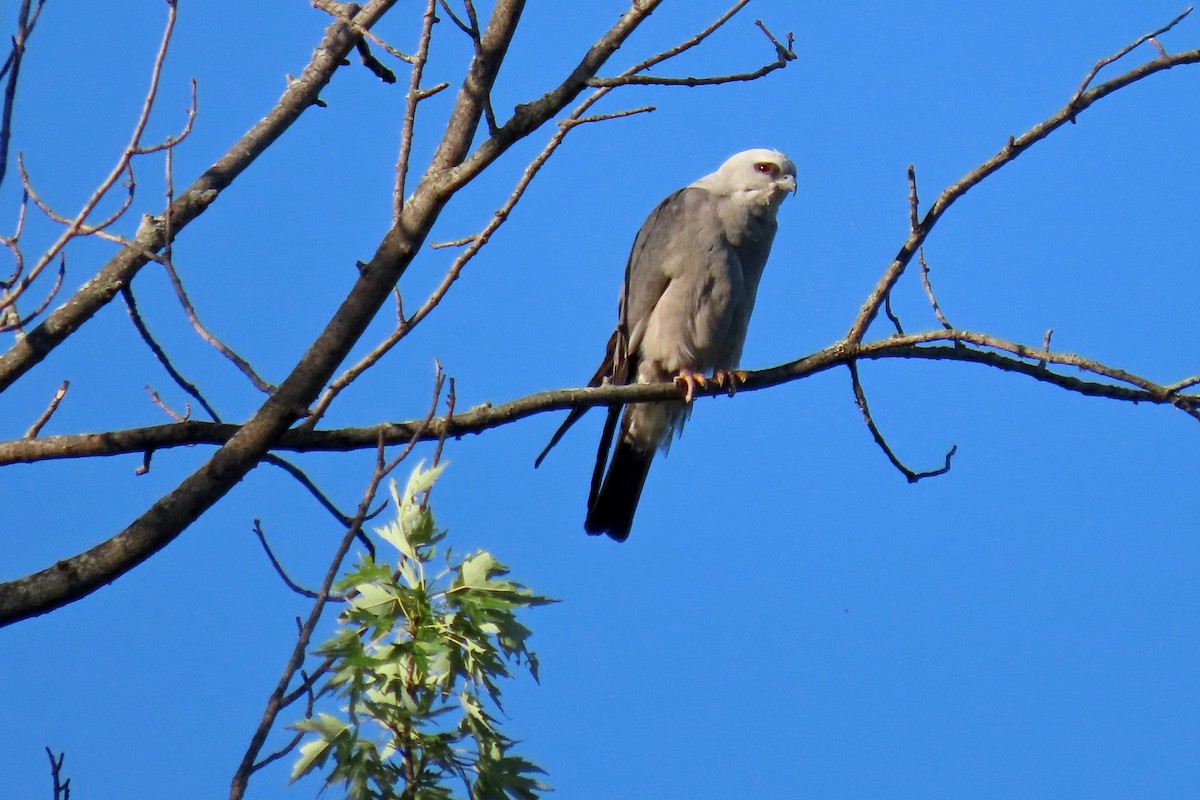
{"points": [[612, 510]]}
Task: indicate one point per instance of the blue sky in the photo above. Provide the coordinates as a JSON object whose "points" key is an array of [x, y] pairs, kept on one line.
{"points": [[789, 617]]}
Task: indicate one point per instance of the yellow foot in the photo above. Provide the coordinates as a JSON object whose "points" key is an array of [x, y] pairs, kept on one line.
{"points": [[729, 381], [690, 381]]}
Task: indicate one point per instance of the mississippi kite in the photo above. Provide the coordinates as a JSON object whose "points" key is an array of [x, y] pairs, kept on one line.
{"points": [[689, 289]]}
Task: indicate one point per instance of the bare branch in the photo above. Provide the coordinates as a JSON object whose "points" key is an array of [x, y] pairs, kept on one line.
{"points": [[968, 346], [328, 56], [1011, 150], [629, 112], [62, 788], [242, 364], [1179, 386], [410, 106], [76, 225], [161, 355], [41, 421], [688, 44], [170, 412], [12, 66], [914, 203], [860, 399], [634, 78], [887, 309], [454, 243], [937, 309], [451, 399], [1126, 50], [342, 12], [279, 570], [10, 320], [458, 23], [321, 497]]}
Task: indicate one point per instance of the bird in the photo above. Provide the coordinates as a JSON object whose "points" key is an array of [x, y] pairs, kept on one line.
{"points": [[690, 285]]}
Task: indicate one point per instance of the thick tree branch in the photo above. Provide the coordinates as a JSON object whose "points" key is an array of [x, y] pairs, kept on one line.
{"points": [[476, 242], [79, 575], [301, 94], [968, 346]]}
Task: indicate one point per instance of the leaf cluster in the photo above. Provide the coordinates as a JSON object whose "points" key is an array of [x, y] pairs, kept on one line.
{"points": [[418, 657]]}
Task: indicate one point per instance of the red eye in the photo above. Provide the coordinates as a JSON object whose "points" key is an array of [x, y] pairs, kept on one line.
{"points": [[765, 168]]}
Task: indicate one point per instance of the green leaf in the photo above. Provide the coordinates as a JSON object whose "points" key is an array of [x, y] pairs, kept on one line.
{"points": [[372, 597], [314, 753], [477, 570]]}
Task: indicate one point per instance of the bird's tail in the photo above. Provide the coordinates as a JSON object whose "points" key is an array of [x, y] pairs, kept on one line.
{"points": [[612, 509]]}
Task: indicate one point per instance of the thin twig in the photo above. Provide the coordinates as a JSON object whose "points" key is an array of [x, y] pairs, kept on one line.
{"points": [[1124, 51], [242, 364], [280, 571], [914, 203], [439, 380], [308, 681], [410, 106], [441, 442], [12, 66], [338, 10], [1012, 149], [937, 308], [41, 421], [633, 76], [629, 112], [158, 401], [455, 243], [62, 788], [860, 399], [161, 355], [13, 244], [458, 23], [306, 691], [122, 166], [14, 321], [887, 309], [307, 482]]}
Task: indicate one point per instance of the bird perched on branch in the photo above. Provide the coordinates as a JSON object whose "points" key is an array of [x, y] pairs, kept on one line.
{"points": [[690, 284]]}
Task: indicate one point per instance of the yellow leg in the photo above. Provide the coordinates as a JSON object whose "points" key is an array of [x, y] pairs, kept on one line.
{"points": [[690, 381]]}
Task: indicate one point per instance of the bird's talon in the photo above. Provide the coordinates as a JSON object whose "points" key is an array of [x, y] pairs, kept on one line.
{"points": [[690, 382], [729, 381]]}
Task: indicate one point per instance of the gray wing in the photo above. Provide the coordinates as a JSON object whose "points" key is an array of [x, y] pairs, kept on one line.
{"points": [[680, 308], [690, 290], [676, 228], [644, 284], [663, 277]]}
